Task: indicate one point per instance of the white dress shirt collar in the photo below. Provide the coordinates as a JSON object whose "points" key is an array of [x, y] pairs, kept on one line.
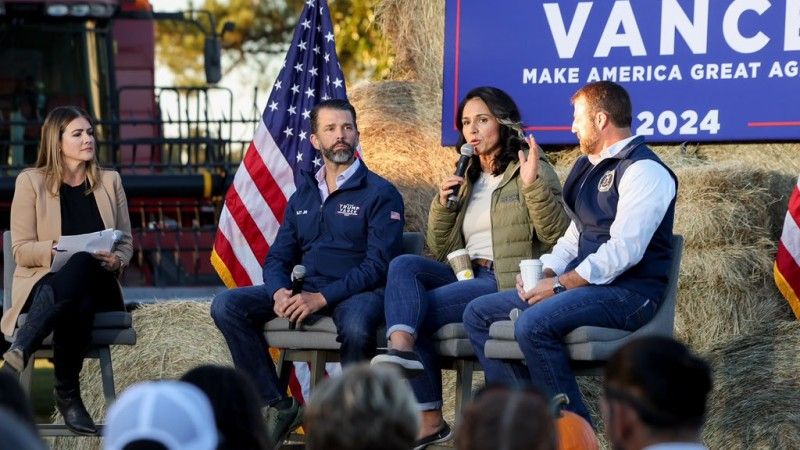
{"points": [[611, 150], [340, 179]]}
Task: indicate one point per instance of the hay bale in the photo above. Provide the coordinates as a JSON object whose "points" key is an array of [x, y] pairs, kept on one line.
{"points": [[726, 291], [415, 30], [173, 337], [775, 156], [729, 203], [756, 390], [399, 130]]}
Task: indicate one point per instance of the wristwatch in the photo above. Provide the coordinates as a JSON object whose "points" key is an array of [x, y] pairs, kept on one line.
{"points": [[557, 286]]}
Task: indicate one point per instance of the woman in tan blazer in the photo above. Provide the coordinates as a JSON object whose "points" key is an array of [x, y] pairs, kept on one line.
{"points": [[66, 193]]}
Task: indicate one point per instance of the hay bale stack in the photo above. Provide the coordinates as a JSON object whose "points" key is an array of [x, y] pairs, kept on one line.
{"points": [[756, 393], [780, 157], [173, 337], [400, 136], [728, 214]]}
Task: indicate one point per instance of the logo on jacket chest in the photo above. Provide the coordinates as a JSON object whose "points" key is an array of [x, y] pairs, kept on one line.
{"points": [[347, 209], [606, 182]]}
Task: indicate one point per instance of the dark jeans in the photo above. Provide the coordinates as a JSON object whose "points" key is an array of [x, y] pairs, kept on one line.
{"points": [[541, 328], [240, 314], [81, 288], [423, 295]]}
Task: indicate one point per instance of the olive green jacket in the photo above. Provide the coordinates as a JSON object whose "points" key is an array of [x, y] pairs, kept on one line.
{"points": [[526, 221]]}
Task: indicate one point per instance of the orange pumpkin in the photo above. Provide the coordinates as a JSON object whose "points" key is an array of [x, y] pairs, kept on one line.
{"points": [[574, 432]]}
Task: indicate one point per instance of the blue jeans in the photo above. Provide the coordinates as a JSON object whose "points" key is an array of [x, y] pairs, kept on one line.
{"points": [[423, 295], [541, 328], [240, 314]]}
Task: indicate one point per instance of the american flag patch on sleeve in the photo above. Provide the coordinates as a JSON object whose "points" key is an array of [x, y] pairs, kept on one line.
{"points": [[394, 215]]}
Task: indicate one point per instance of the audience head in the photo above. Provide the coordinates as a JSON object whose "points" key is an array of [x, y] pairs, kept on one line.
{"points": [[234, 400], [363, 408], [507, 418], [14, 400], [655, 390], [16, 434], [508, 119], [161, 415]]}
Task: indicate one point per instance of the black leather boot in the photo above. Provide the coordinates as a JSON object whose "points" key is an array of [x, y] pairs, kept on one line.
{"points": [[38, 324], [71, 407]]}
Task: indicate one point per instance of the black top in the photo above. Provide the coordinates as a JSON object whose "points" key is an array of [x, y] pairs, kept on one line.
{"points": [[79, 213]]}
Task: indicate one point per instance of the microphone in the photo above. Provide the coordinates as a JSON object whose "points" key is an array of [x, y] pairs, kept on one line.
{"points": [[461, 169], [298, 276]]}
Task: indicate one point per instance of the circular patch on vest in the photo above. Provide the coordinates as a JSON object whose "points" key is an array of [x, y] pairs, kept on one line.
{"points": [[605, 183]]}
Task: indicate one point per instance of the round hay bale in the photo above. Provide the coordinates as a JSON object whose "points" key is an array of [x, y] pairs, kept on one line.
{"points": [[756, 390], [399, 123], [729, 203], [415, 29], [725, 291], [172, 337], [777, 156]]}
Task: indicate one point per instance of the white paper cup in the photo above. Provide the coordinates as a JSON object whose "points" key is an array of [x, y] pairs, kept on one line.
{"points": [[531, 270], [461, 264]]}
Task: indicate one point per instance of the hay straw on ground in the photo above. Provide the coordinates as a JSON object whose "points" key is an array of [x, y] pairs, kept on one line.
{"points": [[172, 337], [754, 404]]}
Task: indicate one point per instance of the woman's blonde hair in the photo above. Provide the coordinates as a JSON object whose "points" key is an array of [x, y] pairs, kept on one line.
{"points": [[50, 160]]}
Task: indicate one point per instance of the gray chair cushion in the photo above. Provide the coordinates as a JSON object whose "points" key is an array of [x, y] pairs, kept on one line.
{"points": [[597, 334], [451, 331], [310, 340], [314, 322], [503, 329], [502, 349], [109, 328], [598, 343], [454, 348]]}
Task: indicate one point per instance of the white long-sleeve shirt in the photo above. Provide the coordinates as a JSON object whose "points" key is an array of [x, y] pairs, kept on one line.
{"points": [[645, 191]]}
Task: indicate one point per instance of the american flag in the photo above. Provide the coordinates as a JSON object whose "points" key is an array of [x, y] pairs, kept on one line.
{"points": [[255, 203], [271, 166], [786, 269]]}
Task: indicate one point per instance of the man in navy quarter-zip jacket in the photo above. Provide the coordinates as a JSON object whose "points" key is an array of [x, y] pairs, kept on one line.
{"points": [[610, 268], [344, 224]]}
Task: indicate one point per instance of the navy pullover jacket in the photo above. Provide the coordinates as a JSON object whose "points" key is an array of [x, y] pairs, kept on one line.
{"points": [[345, 243]]}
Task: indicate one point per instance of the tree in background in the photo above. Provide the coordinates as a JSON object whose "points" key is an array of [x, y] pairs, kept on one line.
{"points": [[263, 32]]}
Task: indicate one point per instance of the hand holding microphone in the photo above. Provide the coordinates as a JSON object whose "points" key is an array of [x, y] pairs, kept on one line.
{"points": [[298, 277], [454, 182]]}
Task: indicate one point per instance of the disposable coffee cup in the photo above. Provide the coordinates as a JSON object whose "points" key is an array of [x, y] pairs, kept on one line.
{"points": [[461, 264], [531, 270]]}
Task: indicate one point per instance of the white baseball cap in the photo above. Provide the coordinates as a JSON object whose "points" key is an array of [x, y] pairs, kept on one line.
{"points": [[175, 414]]}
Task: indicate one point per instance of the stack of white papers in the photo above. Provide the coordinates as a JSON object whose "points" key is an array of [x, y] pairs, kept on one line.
{"points": [[90, 242]]}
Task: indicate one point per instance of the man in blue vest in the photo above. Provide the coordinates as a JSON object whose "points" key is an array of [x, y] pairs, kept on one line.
{"points": [[611, 266]]}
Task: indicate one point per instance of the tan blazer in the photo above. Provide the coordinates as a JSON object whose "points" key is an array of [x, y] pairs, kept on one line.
{"points": [[36, 227]]}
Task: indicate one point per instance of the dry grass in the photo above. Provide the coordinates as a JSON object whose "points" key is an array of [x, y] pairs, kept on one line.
{"points": [[172, 337], [756, 390]]}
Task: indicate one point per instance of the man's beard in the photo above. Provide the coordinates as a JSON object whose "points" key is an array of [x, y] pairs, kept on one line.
{"points": [[589, 143], [341, 156]]}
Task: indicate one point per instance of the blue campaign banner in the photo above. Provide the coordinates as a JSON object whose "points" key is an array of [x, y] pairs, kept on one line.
{"points": [[696, 70]]}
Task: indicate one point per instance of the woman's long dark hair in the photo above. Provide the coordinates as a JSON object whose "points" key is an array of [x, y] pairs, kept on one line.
{"points": [[511, 138]]}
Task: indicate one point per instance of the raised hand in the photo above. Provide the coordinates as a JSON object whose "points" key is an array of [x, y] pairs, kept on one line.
{"points": [[529, 167]]}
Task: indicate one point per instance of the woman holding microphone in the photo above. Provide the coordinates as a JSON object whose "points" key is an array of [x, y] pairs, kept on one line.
{"points": [[66, 193], [508, 208]]}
